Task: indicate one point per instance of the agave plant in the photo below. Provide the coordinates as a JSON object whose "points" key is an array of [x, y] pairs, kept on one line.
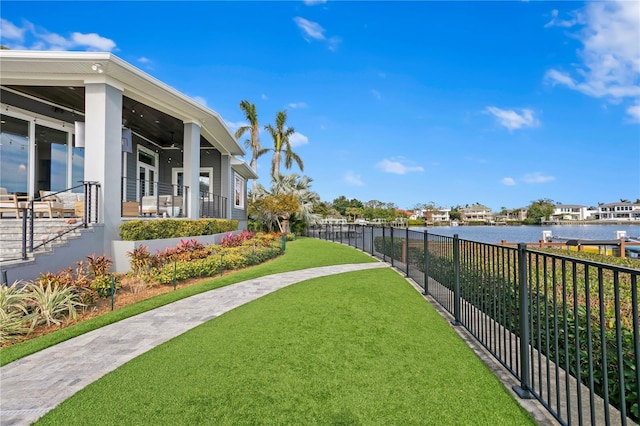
{"points": [[49, 302], [14, 315]]}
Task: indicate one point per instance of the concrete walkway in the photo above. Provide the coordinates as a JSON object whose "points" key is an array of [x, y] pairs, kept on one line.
{"points": [[33, 385]]}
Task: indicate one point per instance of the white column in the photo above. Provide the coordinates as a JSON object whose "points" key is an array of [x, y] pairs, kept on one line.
{"points": [[103, 147], [191, 159], [226, 182]]}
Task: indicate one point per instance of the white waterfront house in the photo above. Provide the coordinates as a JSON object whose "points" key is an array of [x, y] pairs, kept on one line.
{"points": [[570, 212], [621, 211], [432, 215], [68, 117], [477, 212]]}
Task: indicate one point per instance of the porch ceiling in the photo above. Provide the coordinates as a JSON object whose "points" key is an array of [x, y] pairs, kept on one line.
{"points": [[146, 121], [160, 110]]}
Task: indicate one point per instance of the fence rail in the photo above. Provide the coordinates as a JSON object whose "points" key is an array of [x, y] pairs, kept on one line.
{"points": [[566, 328]]}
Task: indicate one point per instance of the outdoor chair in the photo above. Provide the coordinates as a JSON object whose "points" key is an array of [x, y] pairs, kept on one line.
{"points": [[68, 200], [9, 203], [161, 204]]}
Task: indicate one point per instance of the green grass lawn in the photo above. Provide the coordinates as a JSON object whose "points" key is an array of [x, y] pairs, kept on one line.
{"points": [[356, 348], [300, 254]]}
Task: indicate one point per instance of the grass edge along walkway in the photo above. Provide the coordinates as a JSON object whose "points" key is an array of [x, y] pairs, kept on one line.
{"points": [[354, 348], [300, 254]]}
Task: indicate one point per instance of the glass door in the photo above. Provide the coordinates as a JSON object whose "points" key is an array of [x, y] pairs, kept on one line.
{"points": [[14, 155], [205, 188], [147, 172]]}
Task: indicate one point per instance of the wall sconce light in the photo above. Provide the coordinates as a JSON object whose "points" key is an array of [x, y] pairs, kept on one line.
{"points": [[97, 68]]}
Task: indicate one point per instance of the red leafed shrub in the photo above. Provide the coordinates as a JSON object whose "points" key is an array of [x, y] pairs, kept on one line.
{"points": [[230, 240], [185, 251]]}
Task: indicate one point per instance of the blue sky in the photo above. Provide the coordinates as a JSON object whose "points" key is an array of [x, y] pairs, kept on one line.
{"points": [[500, 103]]}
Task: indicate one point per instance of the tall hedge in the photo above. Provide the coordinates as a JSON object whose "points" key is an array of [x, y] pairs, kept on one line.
{"points": [[137, 230]]}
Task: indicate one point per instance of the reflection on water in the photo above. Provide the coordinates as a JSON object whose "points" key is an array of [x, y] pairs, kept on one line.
{"points": [[530, 234]]}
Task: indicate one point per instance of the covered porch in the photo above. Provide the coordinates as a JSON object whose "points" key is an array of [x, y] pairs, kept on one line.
{"points": [[84, 116]]}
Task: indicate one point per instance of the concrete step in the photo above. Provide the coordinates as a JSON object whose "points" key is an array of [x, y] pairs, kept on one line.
{"points": [[11, 238]]}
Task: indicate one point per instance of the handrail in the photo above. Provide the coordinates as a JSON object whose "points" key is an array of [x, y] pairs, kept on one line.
{"points": [[28, 217]]}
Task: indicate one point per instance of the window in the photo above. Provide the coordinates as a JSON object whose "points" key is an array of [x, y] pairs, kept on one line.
{"points": [[238, 191], [14, 154], [77, 167]]}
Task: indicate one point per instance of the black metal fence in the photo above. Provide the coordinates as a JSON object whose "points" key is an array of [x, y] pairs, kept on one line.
{"points": [[566, 328]]}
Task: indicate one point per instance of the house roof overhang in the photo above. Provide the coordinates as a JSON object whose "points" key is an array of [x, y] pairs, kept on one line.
{"points": [[72, 69], [243, 169]]}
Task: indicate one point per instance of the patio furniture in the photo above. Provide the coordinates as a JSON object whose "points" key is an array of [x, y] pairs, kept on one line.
{"points": [[161, 204], [130, 208], [68, 201], [9, 203]]}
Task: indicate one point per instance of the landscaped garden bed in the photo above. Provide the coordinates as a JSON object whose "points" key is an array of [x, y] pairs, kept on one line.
{"points": [[58, 300]]}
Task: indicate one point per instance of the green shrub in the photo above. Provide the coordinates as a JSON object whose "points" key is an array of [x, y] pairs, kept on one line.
{"points": [[138, 230], [251, 252]]}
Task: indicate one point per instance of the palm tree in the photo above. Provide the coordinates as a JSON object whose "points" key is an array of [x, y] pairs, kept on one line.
{"points": [[285, 185], [281, 135], [250, 114]]}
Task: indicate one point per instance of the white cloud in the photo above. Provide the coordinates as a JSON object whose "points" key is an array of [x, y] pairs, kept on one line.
{"points": [[310, 29], [610, 57], [297, 105], [29, 37], [11, 31], [144, 60], [376, 94], [512, 119], [93, 41], [397, 166], [508, 181], [537, 177], [200, 100], [314, 2], [352, 179], [478, 160], [297, 139], [634, 113], [235, 125], [556, 22], [334, 42], [263, 97], [314, 31]]}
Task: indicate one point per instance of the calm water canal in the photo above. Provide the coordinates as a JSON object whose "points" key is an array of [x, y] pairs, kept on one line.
{"points": [[532, 234]]}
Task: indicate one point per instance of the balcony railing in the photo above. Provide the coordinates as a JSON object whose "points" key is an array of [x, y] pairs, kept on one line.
{"points": [[566, 328], [153, 199], [158, 199], [212, 205]]}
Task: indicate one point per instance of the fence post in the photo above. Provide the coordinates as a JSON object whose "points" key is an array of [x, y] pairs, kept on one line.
{"points": [[384, 245], [406, 255], [392, 245], [372, 250], [456, 284], [523, 390], [426, 263]]}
